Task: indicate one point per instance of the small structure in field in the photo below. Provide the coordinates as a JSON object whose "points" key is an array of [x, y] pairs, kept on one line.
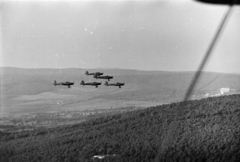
{"points": [[224, 90]]}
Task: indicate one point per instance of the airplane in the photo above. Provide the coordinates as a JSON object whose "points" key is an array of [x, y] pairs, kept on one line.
{"points": [[96, 84], [63, 83], [114, 84], [103, 77], [97, 73]]}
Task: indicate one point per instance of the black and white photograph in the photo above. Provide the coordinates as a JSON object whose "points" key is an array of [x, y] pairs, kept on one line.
{"points": [[119, 80]]}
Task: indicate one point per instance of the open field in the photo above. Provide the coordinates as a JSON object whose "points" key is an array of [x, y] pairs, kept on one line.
{"points": [[32, 91], [64, 99]]}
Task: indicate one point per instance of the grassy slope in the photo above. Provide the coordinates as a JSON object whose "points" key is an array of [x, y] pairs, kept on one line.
{"points": [[207, 129]]}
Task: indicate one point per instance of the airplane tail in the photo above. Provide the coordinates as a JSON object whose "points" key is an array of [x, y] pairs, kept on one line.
{"points": [[82, 83], [106, 83], [55, 82], [86, 73]]}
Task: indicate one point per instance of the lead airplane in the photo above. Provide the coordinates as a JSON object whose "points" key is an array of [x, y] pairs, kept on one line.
{"points": [[114, 84], [67, 83], [103, 77], [96, 84], [96, 73]]}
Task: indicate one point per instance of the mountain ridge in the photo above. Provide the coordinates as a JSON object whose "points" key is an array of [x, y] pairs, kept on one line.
{"points": [[118, 69]]}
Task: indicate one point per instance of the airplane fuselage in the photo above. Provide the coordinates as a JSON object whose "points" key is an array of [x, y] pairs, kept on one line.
{"points": [[64, 83], [96, 84], [115, 84], [103, 77], [97, 73]]}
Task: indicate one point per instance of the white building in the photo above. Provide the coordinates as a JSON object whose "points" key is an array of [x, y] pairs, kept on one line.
{"points": [[102, 156], [224, 90]]}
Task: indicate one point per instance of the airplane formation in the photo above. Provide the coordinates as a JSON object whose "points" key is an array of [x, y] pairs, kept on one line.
{"points": [[96, 75]]}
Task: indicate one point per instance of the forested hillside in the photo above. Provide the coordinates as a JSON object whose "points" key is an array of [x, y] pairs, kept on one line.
{"points": [[208, 129]]}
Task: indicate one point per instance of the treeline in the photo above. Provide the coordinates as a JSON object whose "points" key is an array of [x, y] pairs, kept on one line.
{"points": [[207, 130]]}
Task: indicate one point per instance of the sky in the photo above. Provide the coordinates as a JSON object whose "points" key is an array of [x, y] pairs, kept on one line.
{"points": [[168, 35]]}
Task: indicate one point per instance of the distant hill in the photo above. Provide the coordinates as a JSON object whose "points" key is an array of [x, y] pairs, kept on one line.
{"points": [[207, 130], [19, 81], [24, 90]]}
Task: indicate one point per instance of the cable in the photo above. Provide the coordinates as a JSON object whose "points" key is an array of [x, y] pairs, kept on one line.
{"points": [[197, 75]]}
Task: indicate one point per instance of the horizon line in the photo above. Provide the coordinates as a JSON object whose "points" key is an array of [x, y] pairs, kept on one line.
{"points": [[109, 68]]}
